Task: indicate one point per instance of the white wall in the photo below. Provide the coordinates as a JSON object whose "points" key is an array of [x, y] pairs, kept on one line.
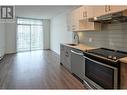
{"points": [[2, 39], [59, 33], [46, 34], [10, 40]]}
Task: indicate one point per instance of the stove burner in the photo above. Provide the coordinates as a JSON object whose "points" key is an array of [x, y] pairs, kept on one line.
{"points": [[108, 53]]}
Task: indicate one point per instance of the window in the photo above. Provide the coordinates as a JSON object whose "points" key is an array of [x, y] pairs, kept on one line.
{"points": [[29, 34]]}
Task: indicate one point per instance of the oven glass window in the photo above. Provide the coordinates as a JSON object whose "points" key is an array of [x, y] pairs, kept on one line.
{"points": [[101, 75]]}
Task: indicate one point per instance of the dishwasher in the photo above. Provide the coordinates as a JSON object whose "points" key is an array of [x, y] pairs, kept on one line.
{"points": [[78, 63]]}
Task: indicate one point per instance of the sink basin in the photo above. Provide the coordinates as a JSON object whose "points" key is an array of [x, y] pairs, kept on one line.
{"points": [[72, 44]]}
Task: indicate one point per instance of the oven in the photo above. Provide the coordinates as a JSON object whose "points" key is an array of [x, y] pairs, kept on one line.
{"points": [[101, 73]]}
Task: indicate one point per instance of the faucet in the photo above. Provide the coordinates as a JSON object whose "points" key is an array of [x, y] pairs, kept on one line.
{"points": [[76, 36]]}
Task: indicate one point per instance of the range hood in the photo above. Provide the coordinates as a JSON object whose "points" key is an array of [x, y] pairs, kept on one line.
{"points": [[120, 16]]}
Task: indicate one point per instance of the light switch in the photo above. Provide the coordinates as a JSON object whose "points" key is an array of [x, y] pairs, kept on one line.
{"points": [[90, 40]]}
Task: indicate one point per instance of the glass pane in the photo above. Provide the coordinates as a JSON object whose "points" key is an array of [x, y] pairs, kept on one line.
{"points": [[36, 37], [23, 38]]}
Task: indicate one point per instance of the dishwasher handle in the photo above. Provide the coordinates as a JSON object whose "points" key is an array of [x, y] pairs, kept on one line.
{"points": [[81, 54]]}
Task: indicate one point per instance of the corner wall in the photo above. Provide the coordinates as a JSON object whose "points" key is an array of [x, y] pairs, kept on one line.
{"points": [[46, 34], [59, 33], [2, 39]]}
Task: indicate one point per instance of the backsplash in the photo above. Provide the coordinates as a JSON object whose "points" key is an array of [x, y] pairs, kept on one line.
{"points": [[112, 36]]}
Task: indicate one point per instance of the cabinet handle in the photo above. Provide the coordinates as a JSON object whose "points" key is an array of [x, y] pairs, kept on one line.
{"points": [[85, 14], [67, 54], [109, 8], [105, 8]]}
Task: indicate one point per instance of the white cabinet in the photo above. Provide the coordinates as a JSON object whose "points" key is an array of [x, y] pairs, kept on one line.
{"points": [[102, 10], [79, 20], [98, 10], [86, 12], [85, 25], [72, 21], [74, 16], [114, 8]]}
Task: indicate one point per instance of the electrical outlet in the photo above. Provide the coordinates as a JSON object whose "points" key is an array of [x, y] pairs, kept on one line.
{"points": [[90, 40]]}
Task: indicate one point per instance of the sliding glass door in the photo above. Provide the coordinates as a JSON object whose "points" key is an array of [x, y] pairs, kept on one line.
{"points": [[29, 34], [23, 38], [36, 37]]}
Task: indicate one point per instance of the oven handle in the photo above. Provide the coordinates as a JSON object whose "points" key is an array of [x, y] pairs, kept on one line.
{"points": [[100, 63]]}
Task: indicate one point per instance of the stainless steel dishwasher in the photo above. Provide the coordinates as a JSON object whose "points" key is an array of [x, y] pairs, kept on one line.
{"points": [[78, 63]]}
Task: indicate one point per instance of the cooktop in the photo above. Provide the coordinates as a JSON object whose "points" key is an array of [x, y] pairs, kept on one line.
{"points": [[108, 53]]}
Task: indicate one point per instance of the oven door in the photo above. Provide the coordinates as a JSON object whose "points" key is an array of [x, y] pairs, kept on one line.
{"points": [[100, 75]]}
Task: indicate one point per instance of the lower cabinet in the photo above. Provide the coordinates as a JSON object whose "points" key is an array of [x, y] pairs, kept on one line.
{"points": [[65, 56], [123, 76]]}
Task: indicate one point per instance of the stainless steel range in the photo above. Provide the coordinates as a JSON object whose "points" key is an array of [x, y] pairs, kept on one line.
{"points": [[102, 68]]}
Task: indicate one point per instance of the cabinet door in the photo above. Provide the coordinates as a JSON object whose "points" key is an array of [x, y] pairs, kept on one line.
{"points": [[93, 26], [75, 19], [82, 13], [89, 11], [62, 53], [86, 12], [102, 10], [123, 76], [65, 56], [68, 58], [98, 10], [117, 8], [89, 26]]}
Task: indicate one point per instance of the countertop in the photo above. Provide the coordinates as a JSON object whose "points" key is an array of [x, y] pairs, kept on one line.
{"points": [[80, 47], [84, 47], [123, 60]]}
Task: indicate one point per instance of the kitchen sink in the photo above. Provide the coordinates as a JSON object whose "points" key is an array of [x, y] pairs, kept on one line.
{"points": [[72, 44]]}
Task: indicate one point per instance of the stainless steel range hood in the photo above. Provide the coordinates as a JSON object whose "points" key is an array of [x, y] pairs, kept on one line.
{"points": [[120, 16]]}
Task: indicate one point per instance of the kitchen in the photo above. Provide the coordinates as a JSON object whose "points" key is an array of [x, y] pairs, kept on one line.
{"points": [[77, 36], [98, 32]]}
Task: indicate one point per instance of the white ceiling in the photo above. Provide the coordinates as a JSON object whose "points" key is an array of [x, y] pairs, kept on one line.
{"points": [[41, 12]]}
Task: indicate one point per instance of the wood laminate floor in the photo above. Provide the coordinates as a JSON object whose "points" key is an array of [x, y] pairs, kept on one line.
{"points": [[35, 70]]}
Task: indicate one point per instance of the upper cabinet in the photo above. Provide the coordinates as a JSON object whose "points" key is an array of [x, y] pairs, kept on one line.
{"points": [[98, 10], [116, 8], [85, 12], [75, 19], [78, 18], [102, 10]]}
